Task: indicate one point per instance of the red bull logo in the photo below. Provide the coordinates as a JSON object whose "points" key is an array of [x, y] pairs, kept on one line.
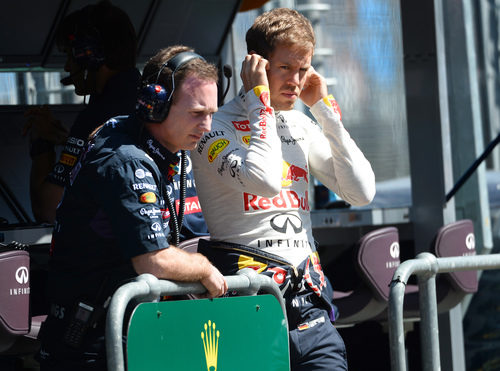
{"points": [[285, 200], [331, 102], [262, 92], [314, 261], [291, 173]]}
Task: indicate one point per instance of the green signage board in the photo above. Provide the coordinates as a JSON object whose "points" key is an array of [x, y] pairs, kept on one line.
{"points": [[223, 334]]}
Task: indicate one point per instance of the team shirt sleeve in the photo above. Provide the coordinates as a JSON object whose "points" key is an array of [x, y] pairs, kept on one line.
{"points": [[335, 159], [138, 215]]}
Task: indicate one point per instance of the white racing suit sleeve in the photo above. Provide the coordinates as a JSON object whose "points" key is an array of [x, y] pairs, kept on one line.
{"points": [[343, 168], [248, 152]]}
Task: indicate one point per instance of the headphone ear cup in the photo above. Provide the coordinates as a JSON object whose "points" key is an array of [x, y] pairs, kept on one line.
{"points": [[152, 103], [87, 52]]}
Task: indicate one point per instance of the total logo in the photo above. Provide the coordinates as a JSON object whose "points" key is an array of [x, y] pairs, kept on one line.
{"points": [[242, 125], [291, 173]]}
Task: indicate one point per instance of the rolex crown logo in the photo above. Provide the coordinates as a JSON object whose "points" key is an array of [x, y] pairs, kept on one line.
{"points": [[210, 339]]}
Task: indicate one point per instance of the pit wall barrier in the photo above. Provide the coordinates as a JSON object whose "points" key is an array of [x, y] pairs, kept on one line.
{"points": [[198, 331], [425, 266]]}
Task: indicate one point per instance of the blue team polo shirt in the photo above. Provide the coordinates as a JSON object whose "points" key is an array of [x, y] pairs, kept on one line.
{"points": [[113, 209]]}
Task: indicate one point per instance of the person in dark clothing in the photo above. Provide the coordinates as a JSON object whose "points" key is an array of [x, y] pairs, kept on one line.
{"points": [[100, 43], [117, 218]]}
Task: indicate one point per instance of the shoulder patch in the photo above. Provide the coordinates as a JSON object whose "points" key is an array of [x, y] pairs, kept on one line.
{"points": [[147, 198]]}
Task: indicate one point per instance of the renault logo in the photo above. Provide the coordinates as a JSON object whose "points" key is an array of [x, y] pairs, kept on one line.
{"points": [[281, 222], [22, 275]]}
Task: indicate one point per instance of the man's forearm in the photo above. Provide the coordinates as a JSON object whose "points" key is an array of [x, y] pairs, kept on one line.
{"points": [[174, 264], [45, 196]]}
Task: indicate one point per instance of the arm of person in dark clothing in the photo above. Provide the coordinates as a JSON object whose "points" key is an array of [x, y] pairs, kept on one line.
{"points": [[178, 265], [45, 196], [45, 132]]}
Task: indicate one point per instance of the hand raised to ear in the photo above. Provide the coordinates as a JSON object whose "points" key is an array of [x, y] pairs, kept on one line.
{"points": [[314, 88], [40, 124], [253, 71]]}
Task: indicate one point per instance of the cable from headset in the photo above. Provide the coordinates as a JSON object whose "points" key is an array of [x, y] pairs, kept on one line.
{"points": [[173, 222], [182, 200], [228, 73], [177, 219]]}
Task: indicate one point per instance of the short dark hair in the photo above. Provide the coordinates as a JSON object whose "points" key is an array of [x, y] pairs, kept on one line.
{"points": [[198, 67], [280, 26], [108, 26]]}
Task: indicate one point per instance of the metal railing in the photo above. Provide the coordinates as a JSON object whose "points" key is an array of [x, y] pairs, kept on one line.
{"points": [[147, 288], [425, 266]]}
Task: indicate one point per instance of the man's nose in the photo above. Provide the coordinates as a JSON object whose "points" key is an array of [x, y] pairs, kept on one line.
{"points": [[294, 78], [206, 123]]}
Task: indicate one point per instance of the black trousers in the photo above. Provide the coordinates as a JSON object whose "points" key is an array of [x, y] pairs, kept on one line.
{"points": [[315, 344]]}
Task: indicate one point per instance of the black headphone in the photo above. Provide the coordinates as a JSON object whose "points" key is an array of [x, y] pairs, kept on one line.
{"points": [[153, 100], [86, 41], [87, 51]]}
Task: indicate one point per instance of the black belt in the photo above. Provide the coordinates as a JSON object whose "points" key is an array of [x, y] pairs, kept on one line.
{"points": [[264, 256]]}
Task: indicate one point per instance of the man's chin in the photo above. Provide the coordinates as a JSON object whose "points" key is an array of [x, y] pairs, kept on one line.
{"points": [[190, 146], [81, 91], [283, 106]]}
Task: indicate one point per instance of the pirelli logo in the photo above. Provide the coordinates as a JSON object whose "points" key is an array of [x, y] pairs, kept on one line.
{"points": [[67, 159]]}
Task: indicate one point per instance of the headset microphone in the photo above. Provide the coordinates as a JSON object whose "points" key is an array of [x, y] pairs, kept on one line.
{"points": [[68, 80], [228, 73]]}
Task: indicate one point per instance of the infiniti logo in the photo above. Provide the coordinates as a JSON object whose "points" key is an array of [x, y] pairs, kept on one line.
{"points": [[156, 227], [281, 221], [22, 275], [394, 250], [470, 241]]}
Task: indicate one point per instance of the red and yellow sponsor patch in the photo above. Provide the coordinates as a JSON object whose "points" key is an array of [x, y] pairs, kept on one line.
{"points": [[67, 159], [262, 91], [147, 198], [246, 140], [331, 102], [249, 262], [241, 125], [216, 148]]}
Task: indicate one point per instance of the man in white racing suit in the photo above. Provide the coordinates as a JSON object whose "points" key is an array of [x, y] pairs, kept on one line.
{"points": [[253, 171]]}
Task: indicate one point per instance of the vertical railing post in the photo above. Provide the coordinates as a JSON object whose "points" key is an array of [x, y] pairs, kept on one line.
{"points": [[429, 339], [396, 325]]}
